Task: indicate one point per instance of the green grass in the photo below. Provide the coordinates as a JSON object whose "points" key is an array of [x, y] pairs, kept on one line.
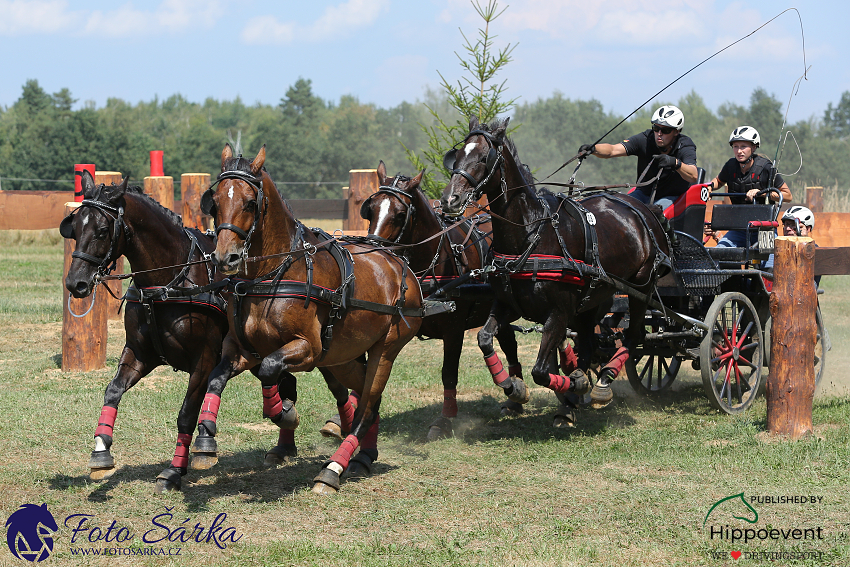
{"points": [[630, 485]]}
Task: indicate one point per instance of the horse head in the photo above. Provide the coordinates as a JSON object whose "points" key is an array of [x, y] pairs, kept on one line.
{"points": [[472, 164], [237, 205], [391, 210], [99, 230]]}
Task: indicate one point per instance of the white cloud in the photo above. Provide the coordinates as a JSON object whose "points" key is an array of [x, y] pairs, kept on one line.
{"points": [[336, 21], [27, 17]]}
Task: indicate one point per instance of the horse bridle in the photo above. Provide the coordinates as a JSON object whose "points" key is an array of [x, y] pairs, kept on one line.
{"points": [[117, 215], [396, 192], [208, 205], [494, 160]]}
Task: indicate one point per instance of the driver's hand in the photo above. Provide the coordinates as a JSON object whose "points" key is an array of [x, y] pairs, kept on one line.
{"points": [[751, 195]]}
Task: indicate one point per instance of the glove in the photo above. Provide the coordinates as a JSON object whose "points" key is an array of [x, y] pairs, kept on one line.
{"points": [[586, 149], [665, 161]]}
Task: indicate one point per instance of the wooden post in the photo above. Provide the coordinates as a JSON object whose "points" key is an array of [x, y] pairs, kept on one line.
{"points": [[113, 306], [161, 189], [83, 338], [192, 186], [814, 199], [791, 382], [361, 185]]}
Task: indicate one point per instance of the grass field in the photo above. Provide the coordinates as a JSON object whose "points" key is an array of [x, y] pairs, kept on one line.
{"points": [[630, 486]]}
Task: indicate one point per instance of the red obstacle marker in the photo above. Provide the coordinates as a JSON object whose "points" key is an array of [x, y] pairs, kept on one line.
{"points": [[78, 179], [156, 164]]}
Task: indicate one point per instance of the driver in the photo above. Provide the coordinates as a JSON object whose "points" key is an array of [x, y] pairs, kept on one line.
{"points": [[747, 173], [664, 150]]}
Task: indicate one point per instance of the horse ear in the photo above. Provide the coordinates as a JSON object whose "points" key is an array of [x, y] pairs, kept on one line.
{"points": [[499, 132], [87, 183], [226, 154], [473, 123], [416, 180], [115, 192], [257, 164], [382, 174]]}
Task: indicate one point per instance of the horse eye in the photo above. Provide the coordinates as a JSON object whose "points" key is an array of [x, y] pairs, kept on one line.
{"points": [[101, 233], [250, 206]]}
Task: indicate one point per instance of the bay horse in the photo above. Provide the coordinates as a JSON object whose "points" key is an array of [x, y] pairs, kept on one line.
{"points": [[399, 213], [163, 326], [558, 261], [301, 302]]}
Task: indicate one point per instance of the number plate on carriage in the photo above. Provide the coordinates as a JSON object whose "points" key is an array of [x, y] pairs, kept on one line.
{"points": [[766, 241]]}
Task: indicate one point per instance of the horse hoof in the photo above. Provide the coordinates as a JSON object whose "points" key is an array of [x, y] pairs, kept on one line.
{"points": [[510, 408], [332, 428], [519, 392], [203, 461], [601, 396], [101, 460], [580, 383], [361, 465], [169, 479], [102, 473], [564, 418], [280, 455], [288, 418], [440, 429], [326, 482]]}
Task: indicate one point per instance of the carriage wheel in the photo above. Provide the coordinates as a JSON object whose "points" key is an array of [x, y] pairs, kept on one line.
{"points": [[820, 347], [731, 353], [652, 373]]}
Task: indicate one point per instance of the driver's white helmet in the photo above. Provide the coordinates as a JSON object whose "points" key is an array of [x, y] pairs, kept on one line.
{"points": [[669, 115], [800, 215], [745, 134]]}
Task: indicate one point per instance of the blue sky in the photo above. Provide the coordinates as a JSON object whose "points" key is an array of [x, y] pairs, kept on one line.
{"points": [[619, 52]]}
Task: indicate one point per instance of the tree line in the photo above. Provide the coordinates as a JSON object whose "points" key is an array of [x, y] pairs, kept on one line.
{"points": [[311, 143]]}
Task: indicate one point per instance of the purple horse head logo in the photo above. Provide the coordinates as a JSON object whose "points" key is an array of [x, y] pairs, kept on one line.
{"points": [[30, 532]]}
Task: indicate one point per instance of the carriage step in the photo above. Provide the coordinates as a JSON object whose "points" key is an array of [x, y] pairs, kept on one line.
{"points": [[436, 307]]}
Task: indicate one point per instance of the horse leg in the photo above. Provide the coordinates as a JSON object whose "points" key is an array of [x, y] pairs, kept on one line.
{"points": [[513, 386], [452, 347], [279, 400], [130, 371], [508, 344], [339, 425], [205, 450], [577, 383], [170, 478]]}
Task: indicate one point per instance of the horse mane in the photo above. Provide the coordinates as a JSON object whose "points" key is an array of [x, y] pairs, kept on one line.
{"points": [[171, 215]]}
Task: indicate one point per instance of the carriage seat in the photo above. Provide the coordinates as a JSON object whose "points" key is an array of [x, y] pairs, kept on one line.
{"points": [[687, 213]]}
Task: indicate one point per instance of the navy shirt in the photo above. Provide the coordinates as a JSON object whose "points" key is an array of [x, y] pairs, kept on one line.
{"points": [[671, 183], [757, 177]]}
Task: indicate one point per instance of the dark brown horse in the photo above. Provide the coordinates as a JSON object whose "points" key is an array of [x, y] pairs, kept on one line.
{"points": [[399, 213], [162, 325], [557, 260], [300, 302]]}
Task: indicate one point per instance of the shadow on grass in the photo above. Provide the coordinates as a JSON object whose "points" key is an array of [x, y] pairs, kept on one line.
{"points": [[240, 474]]}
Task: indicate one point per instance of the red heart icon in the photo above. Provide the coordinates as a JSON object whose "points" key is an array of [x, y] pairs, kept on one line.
{"points": [[736, 554]]}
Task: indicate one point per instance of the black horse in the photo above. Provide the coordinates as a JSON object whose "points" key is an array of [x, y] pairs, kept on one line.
{"points": [[442, 257], [558, 260], [163, 325]]}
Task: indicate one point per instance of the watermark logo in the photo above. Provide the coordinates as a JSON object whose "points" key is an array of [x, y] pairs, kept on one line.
{"points": [[750, 514], [30, 531]]}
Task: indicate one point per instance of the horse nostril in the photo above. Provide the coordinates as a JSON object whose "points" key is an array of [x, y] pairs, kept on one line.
{"points": [[82, 289], [233, 259]]}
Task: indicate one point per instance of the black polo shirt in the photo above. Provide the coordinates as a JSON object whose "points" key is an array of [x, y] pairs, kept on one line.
{"points": [[757, 177], [671, 183]]}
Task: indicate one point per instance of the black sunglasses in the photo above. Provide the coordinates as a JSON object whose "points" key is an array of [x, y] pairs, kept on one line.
{"points": [[663, 130]]}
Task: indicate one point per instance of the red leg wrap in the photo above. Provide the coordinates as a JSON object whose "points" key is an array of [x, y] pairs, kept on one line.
{"points": [[181, 452], [569, 360], [370, 440], [345, 451], [106, 421], [515, 370], [560, 384], [449, 403], [209, 409], [286, 437], [616, 363], [346, 416], [272, 405], [494, 365], [354, 398]]}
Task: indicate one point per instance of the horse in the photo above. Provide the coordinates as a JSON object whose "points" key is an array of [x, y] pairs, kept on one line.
{"points": [[165, 322], [558, 261], [301, 302], [399, 213]]}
